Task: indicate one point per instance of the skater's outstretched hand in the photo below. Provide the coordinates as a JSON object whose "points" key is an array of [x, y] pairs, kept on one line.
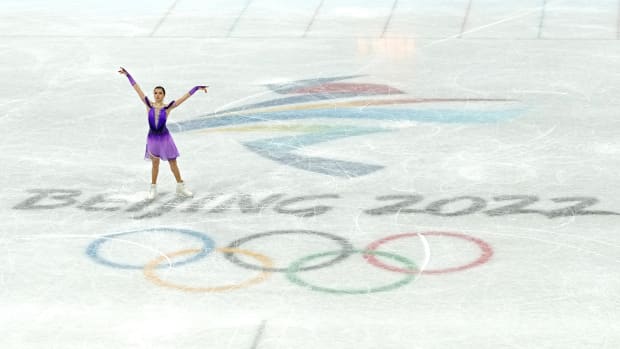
{"points": [[199, 87], [183, 98], [135, 86]]}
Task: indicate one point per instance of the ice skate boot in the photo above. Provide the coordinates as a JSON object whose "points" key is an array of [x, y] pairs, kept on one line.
{"points": [[182, 191], [152, 192]]}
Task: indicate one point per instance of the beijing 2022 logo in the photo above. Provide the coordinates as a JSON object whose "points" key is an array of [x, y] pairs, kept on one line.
{"points": [[328, 99]]}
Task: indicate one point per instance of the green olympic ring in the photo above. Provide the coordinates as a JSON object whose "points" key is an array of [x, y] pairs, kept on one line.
{"points": [[292, 270]]}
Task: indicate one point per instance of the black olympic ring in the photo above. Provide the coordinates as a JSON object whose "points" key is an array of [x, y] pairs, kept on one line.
{"points": [[347, 249]]}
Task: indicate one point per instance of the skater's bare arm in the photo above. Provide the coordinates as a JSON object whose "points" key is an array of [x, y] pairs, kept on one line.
{"points": [[134, 84], [187, 95]]}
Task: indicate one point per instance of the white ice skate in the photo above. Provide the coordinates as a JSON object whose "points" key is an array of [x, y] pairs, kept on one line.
{"points": [[182, 191], [153, 192]]}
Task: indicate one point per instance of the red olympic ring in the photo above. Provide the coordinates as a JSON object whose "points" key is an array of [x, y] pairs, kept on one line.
{"points": [[485, 255]]}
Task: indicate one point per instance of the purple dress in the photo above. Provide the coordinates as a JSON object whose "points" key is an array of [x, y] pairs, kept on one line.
{"points": [[159, 142]]}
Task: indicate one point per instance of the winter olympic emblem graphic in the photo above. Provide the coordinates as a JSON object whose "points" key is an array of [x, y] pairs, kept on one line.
{"points": [[305, 113], [328, 99], [373, 254]]}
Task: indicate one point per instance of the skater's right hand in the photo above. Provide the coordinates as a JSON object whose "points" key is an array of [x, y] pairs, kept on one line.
{"points": [[122, 71]]}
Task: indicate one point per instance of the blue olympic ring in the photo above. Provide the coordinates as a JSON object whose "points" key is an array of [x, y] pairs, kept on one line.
{"points": [[93, 249]]}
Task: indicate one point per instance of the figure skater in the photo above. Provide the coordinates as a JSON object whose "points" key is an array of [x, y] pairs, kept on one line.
{"points": [[159, 142]]}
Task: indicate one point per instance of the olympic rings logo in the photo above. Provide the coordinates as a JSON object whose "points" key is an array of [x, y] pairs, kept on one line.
{"points": [[265, 266]]}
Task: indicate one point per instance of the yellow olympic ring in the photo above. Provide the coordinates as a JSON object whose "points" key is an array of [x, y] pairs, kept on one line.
{"points": [[149, 271]]}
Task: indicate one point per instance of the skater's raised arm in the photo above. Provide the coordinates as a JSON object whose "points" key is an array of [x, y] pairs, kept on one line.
{"points": [[135, 85], [187, 95]]}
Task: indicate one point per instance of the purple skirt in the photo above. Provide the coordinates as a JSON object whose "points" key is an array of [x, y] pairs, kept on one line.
{"points": [[160, 145]]}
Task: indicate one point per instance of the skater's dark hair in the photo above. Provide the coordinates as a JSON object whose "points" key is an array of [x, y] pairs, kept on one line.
{"points": [[161, 88]]}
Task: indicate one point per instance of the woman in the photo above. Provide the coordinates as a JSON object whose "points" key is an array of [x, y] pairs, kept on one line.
{"points": [[159, 142]]}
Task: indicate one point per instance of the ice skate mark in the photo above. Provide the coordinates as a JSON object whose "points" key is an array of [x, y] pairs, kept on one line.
{"points": [[425, 246], [492, 24], [465, 19], [427, 254], [161, 21], [389, 19], [542, 19], [236, 22], [259, 334], [618, 23], [316, 12]]}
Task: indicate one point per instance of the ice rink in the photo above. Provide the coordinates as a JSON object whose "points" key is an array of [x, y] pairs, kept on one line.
{"points": [[419, 174]]}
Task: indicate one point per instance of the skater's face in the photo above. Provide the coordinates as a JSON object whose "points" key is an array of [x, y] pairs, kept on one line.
{"points": [[158, 94]]}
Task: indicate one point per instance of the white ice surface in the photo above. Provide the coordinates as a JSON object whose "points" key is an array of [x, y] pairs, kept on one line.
{"points": [[72, 123]]}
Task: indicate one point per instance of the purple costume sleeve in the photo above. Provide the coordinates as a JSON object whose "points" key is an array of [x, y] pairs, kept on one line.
{"points": [[196, 88], [131, 80], [129, 77]]}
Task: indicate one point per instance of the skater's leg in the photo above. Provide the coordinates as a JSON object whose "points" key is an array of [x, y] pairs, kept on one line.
{"points": [[175, 170], [154, 173], [181, 190], [155, 169]]}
